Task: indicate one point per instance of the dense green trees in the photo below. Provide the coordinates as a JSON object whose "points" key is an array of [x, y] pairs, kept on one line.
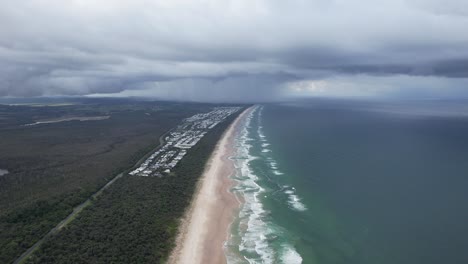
{"points": [[55, 167], [136, 219]]}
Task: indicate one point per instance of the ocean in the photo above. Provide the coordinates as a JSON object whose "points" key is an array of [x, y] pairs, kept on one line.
{"points": [[352, 182]]}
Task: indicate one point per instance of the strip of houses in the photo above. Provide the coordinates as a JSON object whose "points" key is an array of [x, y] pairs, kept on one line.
{"points": [[180, 140]]}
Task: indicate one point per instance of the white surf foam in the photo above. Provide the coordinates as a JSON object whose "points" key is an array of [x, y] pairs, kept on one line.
{"points": [[273, 165], [296, 203], [256, 231], [277, 172], [293, 199], [290, 255], [252, 226]]}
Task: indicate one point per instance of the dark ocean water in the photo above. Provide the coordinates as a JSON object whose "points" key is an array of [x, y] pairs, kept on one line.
{"points": [[354, 183]]}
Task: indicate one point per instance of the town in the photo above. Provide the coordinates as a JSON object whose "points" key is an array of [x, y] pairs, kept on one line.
{"points": [[180, 140]]}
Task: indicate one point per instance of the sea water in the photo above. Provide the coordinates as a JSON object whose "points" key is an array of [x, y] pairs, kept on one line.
{"points": [[351, 182]]}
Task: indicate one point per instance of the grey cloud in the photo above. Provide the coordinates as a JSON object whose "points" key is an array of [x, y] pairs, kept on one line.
{"points": [[115, 47], [457, 68], [234, 88]]}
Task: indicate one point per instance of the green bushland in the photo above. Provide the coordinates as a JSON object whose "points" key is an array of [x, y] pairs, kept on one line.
{"points": [[55, 167], [136, 219]]}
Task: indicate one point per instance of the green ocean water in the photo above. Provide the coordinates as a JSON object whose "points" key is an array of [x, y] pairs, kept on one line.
{"points": [[353, 182]]}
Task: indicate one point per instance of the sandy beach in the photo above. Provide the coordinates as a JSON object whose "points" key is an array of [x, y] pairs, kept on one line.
{"points": [[205, 226]]}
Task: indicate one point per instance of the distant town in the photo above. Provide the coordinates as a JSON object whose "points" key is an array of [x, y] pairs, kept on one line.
{"points": [[180, 140]]}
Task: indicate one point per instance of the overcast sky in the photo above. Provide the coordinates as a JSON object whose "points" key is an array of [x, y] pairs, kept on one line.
{"points": [[234, 50]]}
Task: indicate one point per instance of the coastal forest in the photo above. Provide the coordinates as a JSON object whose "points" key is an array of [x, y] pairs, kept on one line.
{"points": [[136, 219], [57, 155]]}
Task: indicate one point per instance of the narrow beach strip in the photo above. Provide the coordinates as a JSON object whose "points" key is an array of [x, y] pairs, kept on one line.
{"points": [[205, 226]]}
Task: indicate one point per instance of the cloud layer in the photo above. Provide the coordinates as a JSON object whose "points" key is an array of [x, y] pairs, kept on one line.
{"points": [[221, 50]]}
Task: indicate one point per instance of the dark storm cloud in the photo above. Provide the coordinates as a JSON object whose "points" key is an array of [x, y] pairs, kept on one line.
{"points": [[220, 50], [457, 68], [237, 88]]}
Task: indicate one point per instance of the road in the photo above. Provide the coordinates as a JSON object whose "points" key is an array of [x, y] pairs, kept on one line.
{"points": [[79, 208]]}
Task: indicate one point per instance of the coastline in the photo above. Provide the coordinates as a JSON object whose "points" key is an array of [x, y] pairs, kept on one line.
{"points": [[205, 226]]}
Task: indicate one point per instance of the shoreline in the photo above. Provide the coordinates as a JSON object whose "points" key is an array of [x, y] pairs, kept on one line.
{"points": [[205, 226]]}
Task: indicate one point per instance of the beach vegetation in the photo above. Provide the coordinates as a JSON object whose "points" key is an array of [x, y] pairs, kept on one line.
{"points": [[136, 219]]}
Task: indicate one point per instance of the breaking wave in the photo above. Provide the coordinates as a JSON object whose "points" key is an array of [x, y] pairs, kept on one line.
{"points": [[256, 238]]}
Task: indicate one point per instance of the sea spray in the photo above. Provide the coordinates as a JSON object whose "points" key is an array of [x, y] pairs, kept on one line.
{"points": [[293, 199], [346, 182], [256, 237]]}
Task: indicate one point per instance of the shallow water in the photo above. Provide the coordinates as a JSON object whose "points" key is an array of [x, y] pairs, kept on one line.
{"points": [[255, 235], [349, 183]]}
